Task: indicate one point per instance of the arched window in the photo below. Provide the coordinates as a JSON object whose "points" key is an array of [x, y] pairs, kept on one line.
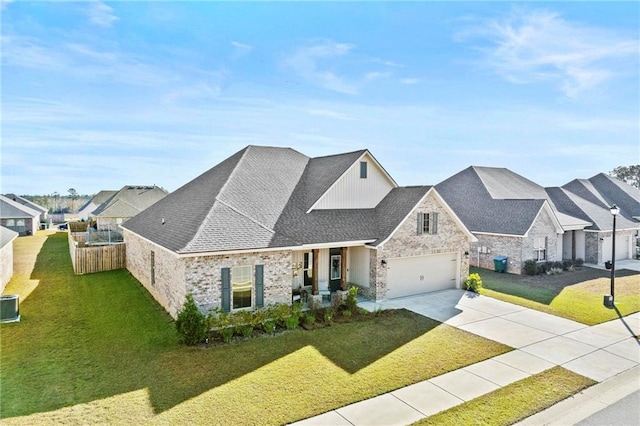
{"points": [[20, 228]]}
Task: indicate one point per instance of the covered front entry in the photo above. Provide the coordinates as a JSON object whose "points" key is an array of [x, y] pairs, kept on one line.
{"points": [[407, 276]]}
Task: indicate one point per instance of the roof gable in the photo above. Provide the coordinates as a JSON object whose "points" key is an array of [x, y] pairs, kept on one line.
{"points": [[467, 195], [7, 235], [503, 184], [351, 191], [97, 199], [12, 210], [25, 202], [129, 201]]}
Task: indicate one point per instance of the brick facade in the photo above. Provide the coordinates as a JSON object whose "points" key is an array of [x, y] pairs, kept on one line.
{"points": [[203, 276], [406, 242], [517, 249]]}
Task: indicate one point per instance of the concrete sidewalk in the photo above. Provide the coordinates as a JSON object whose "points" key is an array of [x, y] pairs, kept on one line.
{"points": [[606, 353]]}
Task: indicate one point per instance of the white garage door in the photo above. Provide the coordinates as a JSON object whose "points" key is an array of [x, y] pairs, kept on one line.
{"points": [[622, 248], [407, 276]]}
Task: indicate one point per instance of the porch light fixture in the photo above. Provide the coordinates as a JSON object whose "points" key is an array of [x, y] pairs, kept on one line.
{"points": [[609, 299], [383, 262]]}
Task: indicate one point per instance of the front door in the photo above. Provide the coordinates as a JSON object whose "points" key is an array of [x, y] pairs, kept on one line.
{"points": [[335, 269]]}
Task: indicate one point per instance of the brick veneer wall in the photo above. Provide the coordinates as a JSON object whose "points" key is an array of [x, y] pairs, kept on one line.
{"points": [[200, 275], [406, 242], [203, 276], [169, 288], [518, 249]]}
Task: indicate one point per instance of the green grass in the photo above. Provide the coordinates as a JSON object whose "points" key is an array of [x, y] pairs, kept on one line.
{"points": [[576, 295], [98, 349], [513, 402]]}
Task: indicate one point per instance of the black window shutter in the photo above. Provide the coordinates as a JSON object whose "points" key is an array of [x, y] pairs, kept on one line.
{"points": [[259, 286], [226, 289], [434, 226], [420, 223]]}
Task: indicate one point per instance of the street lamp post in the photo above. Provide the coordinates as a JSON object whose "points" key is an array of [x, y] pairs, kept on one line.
{"points": [[610, 300]]}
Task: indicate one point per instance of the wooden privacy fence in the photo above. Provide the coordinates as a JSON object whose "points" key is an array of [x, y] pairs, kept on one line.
{"points": [[89, 259]]}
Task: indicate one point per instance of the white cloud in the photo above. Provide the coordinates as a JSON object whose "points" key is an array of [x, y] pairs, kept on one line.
{"points": [[101, 14], [332, 65], [539, 45], [307, 62], [240, 49], [410, 80]]}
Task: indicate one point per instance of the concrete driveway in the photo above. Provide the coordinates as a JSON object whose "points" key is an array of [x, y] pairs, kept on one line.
{"points": [[607, 352]]}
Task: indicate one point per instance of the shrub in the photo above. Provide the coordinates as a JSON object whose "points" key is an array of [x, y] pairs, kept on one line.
{"points": [[473, 283], [308, 317], [291, 322], [347, 313], [567, 265], [530, 267], [352, 298], [191, 324], [579, 262], [328, 316], [269, 326], [554, 271]]}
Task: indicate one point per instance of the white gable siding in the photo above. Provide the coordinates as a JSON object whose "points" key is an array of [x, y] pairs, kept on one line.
{"points": [[353, 192]]}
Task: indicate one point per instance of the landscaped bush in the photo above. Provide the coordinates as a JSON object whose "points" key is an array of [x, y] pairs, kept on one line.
{"points": [[352, 298], [579, 262], [473, 283], [191, 324], [530, 267], [554, 271]]}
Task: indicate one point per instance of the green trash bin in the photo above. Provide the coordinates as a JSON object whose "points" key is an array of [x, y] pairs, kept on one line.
{"points": [[500, 263]]}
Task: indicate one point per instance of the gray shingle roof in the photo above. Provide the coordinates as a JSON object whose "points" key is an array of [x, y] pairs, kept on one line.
{"points": [[593, 197], [20, 200], [10, 209], [259, 197], [468, 194], [129, 201], [98, 198]]}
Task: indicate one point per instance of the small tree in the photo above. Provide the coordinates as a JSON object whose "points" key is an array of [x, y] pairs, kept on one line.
{"points": [[191, 324]]}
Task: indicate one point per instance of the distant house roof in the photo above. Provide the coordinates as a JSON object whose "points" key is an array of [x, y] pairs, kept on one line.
{"points": [[129, 201], [594, 196], [98, 199], [25, 202], [6, 236], [261, 197], [10, 209], [493, 200]]}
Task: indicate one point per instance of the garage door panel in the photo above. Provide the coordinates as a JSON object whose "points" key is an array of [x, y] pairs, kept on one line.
{"points": [[422, 274]]}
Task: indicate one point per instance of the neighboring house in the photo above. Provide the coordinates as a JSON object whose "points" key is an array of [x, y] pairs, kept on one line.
{"points": [[508, 214], [85, 210], [125, 204], [19, 218], [590, 200], [6, 255], [267, 221], [43, 211]]}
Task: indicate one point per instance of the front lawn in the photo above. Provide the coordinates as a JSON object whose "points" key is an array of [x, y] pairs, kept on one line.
{"points": [[576, 295], [98, 349], [514, 402]]}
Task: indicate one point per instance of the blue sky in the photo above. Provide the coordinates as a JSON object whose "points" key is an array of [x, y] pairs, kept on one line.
{"points": [[97, 95]]}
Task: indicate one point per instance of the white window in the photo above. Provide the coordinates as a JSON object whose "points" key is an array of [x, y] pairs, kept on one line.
{"points": [[427, 223], [241, 286], [540, 248]]}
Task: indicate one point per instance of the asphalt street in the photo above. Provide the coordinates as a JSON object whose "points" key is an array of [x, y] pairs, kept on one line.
{"points": [[625, 412]]}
